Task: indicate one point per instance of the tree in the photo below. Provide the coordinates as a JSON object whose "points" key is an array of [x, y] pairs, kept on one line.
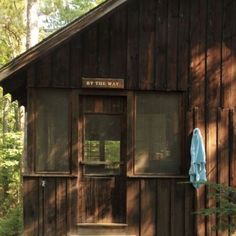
{"points": [[10, 182], [56, 14], [12, 29], [224, 209], [32, 35]]}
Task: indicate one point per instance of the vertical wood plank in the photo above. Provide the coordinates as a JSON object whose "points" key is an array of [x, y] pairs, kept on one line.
{"points": [[211, 138], [118, 43], [130, 136], [161, 44], [148, 207], [228, 55], [31, 206], [223, 146], [232, 147], [213, 83], [173, 198], [223, 152], [74, 131], [104, 200], [60, 66], [198, 47], [163, 207], [44, 71], [76, 56], [213, 96], [104, 47], [189, 190], [31, 77], [188, 210], [41, 207], [233, 53], [183, 60], [189, 131], [214, 34], [72, 199], [133, 45], [80, 180], [29, 165], [50, 207], [199, 201], [119, 195], [61, 207], [172, 46], [178, 205], [133, 207], [88, 211], [90, 62], [146, 43]]}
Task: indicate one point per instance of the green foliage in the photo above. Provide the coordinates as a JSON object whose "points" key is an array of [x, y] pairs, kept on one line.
{"points": [[11, 144], [12, 29], [224, 207], [57, 13], [12, 223]]}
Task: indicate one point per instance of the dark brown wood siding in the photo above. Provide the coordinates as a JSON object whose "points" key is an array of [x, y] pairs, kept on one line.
{"points": [[164, 45], [49, 205]]}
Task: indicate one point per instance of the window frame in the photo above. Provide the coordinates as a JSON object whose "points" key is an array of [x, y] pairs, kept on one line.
{"points": [[69, 128], [182, 127], [122, 115]]}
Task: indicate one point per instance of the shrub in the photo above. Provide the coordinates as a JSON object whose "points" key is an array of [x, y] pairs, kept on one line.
{"points": [[12, 224], [224, 209]]}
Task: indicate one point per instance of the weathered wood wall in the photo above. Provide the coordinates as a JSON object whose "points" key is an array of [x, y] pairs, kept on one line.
{"points": [[49, 205], [157, 45]]}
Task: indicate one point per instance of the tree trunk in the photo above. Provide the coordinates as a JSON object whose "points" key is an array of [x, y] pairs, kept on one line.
{"points": [[6, 104], [32, 23]]}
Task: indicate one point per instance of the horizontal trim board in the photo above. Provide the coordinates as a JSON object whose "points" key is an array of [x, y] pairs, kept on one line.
{"points": [[101, 225]]}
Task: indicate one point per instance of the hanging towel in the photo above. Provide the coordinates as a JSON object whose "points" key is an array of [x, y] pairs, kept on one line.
{"points": [[197, 171]]}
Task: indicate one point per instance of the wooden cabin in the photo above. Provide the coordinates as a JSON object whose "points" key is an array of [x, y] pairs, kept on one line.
{"points": [[112, 100]]}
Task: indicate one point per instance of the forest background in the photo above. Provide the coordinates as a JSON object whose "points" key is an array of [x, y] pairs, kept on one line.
{"points": [[22, 24]]}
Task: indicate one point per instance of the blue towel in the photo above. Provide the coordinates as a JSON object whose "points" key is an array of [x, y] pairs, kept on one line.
{"points": [[197, 171]]}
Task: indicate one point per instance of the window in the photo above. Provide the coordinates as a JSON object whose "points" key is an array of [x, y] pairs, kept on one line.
{"points": [[102, 128], [102, 143], [52, 135], [158, 134]]}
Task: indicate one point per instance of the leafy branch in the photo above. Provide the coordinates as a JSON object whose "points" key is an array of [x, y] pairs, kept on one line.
{"points": [[224, 206]]}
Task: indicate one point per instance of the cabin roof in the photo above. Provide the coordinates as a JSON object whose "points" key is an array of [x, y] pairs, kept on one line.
{"points": [[15, 68]]}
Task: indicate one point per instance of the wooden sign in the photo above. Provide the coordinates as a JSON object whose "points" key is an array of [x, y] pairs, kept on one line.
{"points": [[101, 83]]}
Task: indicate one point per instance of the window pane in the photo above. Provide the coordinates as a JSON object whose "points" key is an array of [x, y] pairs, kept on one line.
{"points": [[52, 131], [157, 141], [102, 143]]}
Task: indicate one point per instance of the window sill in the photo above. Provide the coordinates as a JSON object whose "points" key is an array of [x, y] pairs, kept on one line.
{"points": [[50, 175], [101, 225], [100, 175], [98, 163], [151, 176]]}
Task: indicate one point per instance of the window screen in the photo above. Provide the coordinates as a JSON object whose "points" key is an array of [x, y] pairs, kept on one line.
{"points": [[158, 134], [52, 136], [102, 143]]}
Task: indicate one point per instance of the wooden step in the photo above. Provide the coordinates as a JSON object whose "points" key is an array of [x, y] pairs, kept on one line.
{"points": [[101, 229]]}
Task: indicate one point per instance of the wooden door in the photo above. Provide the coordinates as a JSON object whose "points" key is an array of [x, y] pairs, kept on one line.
{"points": [[102, 188]]}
